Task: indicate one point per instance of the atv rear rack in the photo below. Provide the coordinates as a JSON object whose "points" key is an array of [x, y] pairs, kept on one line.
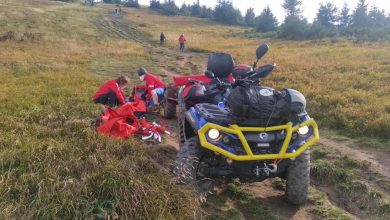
{"points": [[238, 131]]}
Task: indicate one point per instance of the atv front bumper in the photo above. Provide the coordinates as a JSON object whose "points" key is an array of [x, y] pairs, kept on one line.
{"points": [[291, 147]]}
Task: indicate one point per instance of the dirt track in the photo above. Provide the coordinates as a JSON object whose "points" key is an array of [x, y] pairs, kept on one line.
{"points": [[264, 191], [377, 161]]}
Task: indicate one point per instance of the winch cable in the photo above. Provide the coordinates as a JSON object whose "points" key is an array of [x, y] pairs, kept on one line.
{"points": [[276, 161], [270, 116]]}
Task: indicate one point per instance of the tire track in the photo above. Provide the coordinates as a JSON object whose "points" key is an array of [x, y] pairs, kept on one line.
{"points": [[117, 28]]}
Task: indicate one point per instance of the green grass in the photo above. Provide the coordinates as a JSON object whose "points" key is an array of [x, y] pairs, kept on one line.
{"points": [[353, 182], [53, 164], [324, 209], [236, 203], [369, 143], [319, 153], [382, 145]]}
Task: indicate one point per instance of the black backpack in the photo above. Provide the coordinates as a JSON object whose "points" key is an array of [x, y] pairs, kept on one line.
{"points": [[254, 105]]}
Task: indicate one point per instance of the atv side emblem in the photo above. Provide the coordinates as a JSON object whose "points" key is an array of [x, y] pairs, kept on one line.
{"points": [[266, 92], [263, 136]]}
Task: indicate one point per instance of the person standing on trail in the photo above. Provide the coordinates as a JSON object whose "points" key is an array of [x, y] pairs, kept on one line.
{"points": [[162, 38], [182, 41], [111, 92], [154, 85]]}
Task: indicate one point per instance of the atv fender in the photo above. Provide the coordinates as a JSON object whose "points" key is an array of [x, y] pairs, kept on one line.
{"points": [[171, 93], [189, 131]]}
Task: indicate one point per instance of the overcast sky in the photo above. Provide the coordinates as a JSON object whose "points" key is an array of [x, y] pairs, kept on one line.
{"points": [[310, 7]]}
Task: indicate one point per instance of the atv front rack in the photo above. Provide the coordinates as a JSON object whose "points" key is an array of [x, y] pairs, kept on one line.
{"points": [[288, 130]]}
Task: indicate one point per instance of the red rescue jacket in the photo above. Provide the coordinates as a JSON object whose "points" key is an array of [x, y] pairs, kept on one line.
{"points": [[152, 82], [111, 85], [182, 39]]}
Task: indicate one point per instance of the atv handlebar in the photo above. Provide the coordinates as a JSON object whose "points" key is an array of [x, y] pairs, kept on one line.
{"points": [[255, 76], [251, 77], [262, 71]]}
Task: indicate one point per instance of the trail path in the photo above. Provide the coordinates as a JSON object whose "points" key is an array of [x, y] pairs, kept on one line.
{"points": [[171, 63], [377, 161], [117, 28]]}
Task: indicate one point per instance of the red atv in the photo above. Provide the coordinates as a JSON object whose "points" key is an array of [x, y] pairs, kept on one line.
{"points": [[169, 101]]}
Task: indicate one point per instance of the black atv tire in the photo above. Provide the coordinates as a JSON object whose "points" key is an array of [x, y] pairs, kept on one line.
{"points": [[298, 179], [180, 123], [186, 168], [181, 120], [169, 109]]}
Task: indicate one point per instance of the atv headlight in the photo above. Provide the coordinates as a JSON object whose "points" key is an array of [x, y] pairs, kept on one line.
{"points": [[213, 134], [303, 130]]}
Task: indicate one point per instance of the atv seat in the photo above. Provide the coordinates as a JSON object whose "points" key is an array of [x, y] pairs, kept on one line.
{"points": [[221, 64]]}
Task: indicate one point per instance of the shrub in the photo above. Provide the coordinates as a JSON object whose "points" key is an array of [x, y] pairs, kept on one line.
{"points": [[131, 4], [112, 1], [293, 28], [224, 12], [155, 4], [170, 8]]}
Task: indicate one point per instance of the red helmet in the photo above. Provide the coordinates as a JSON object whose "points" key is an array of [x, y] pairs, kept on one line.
{"points": [[240, 71]]}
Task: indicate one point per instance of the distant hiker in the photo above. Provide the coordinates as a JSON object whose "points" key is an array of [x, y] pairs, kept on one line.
{"points": [[182, 41], [116, 11], [111, 92], [162, 38], [120, 10], [154, 85]]}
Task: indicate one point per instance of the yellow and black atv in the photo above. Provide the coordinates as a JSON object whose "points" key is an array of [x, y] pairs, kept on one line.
{"points": [[233, 127]]}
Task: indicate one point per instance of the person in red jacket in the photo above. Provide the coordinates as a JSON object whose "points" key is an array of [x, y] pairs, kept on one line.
{"points": [[155, 87], [182, 41], [111, 92]]}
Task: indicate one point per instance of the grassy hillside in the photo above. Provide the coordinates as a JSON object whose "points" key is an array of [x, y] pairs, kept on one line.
{"points": [[52, 163], [53, 57]]}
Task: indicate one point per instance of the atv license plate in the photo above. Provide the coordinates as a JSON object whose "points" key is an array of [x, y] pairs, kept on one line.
{"points": [[262, 144]]}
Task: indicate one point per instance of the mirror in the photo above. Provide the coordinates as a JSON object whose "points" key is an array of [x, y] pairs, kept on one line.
{"points": [[209, 74], [261, 50]]}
